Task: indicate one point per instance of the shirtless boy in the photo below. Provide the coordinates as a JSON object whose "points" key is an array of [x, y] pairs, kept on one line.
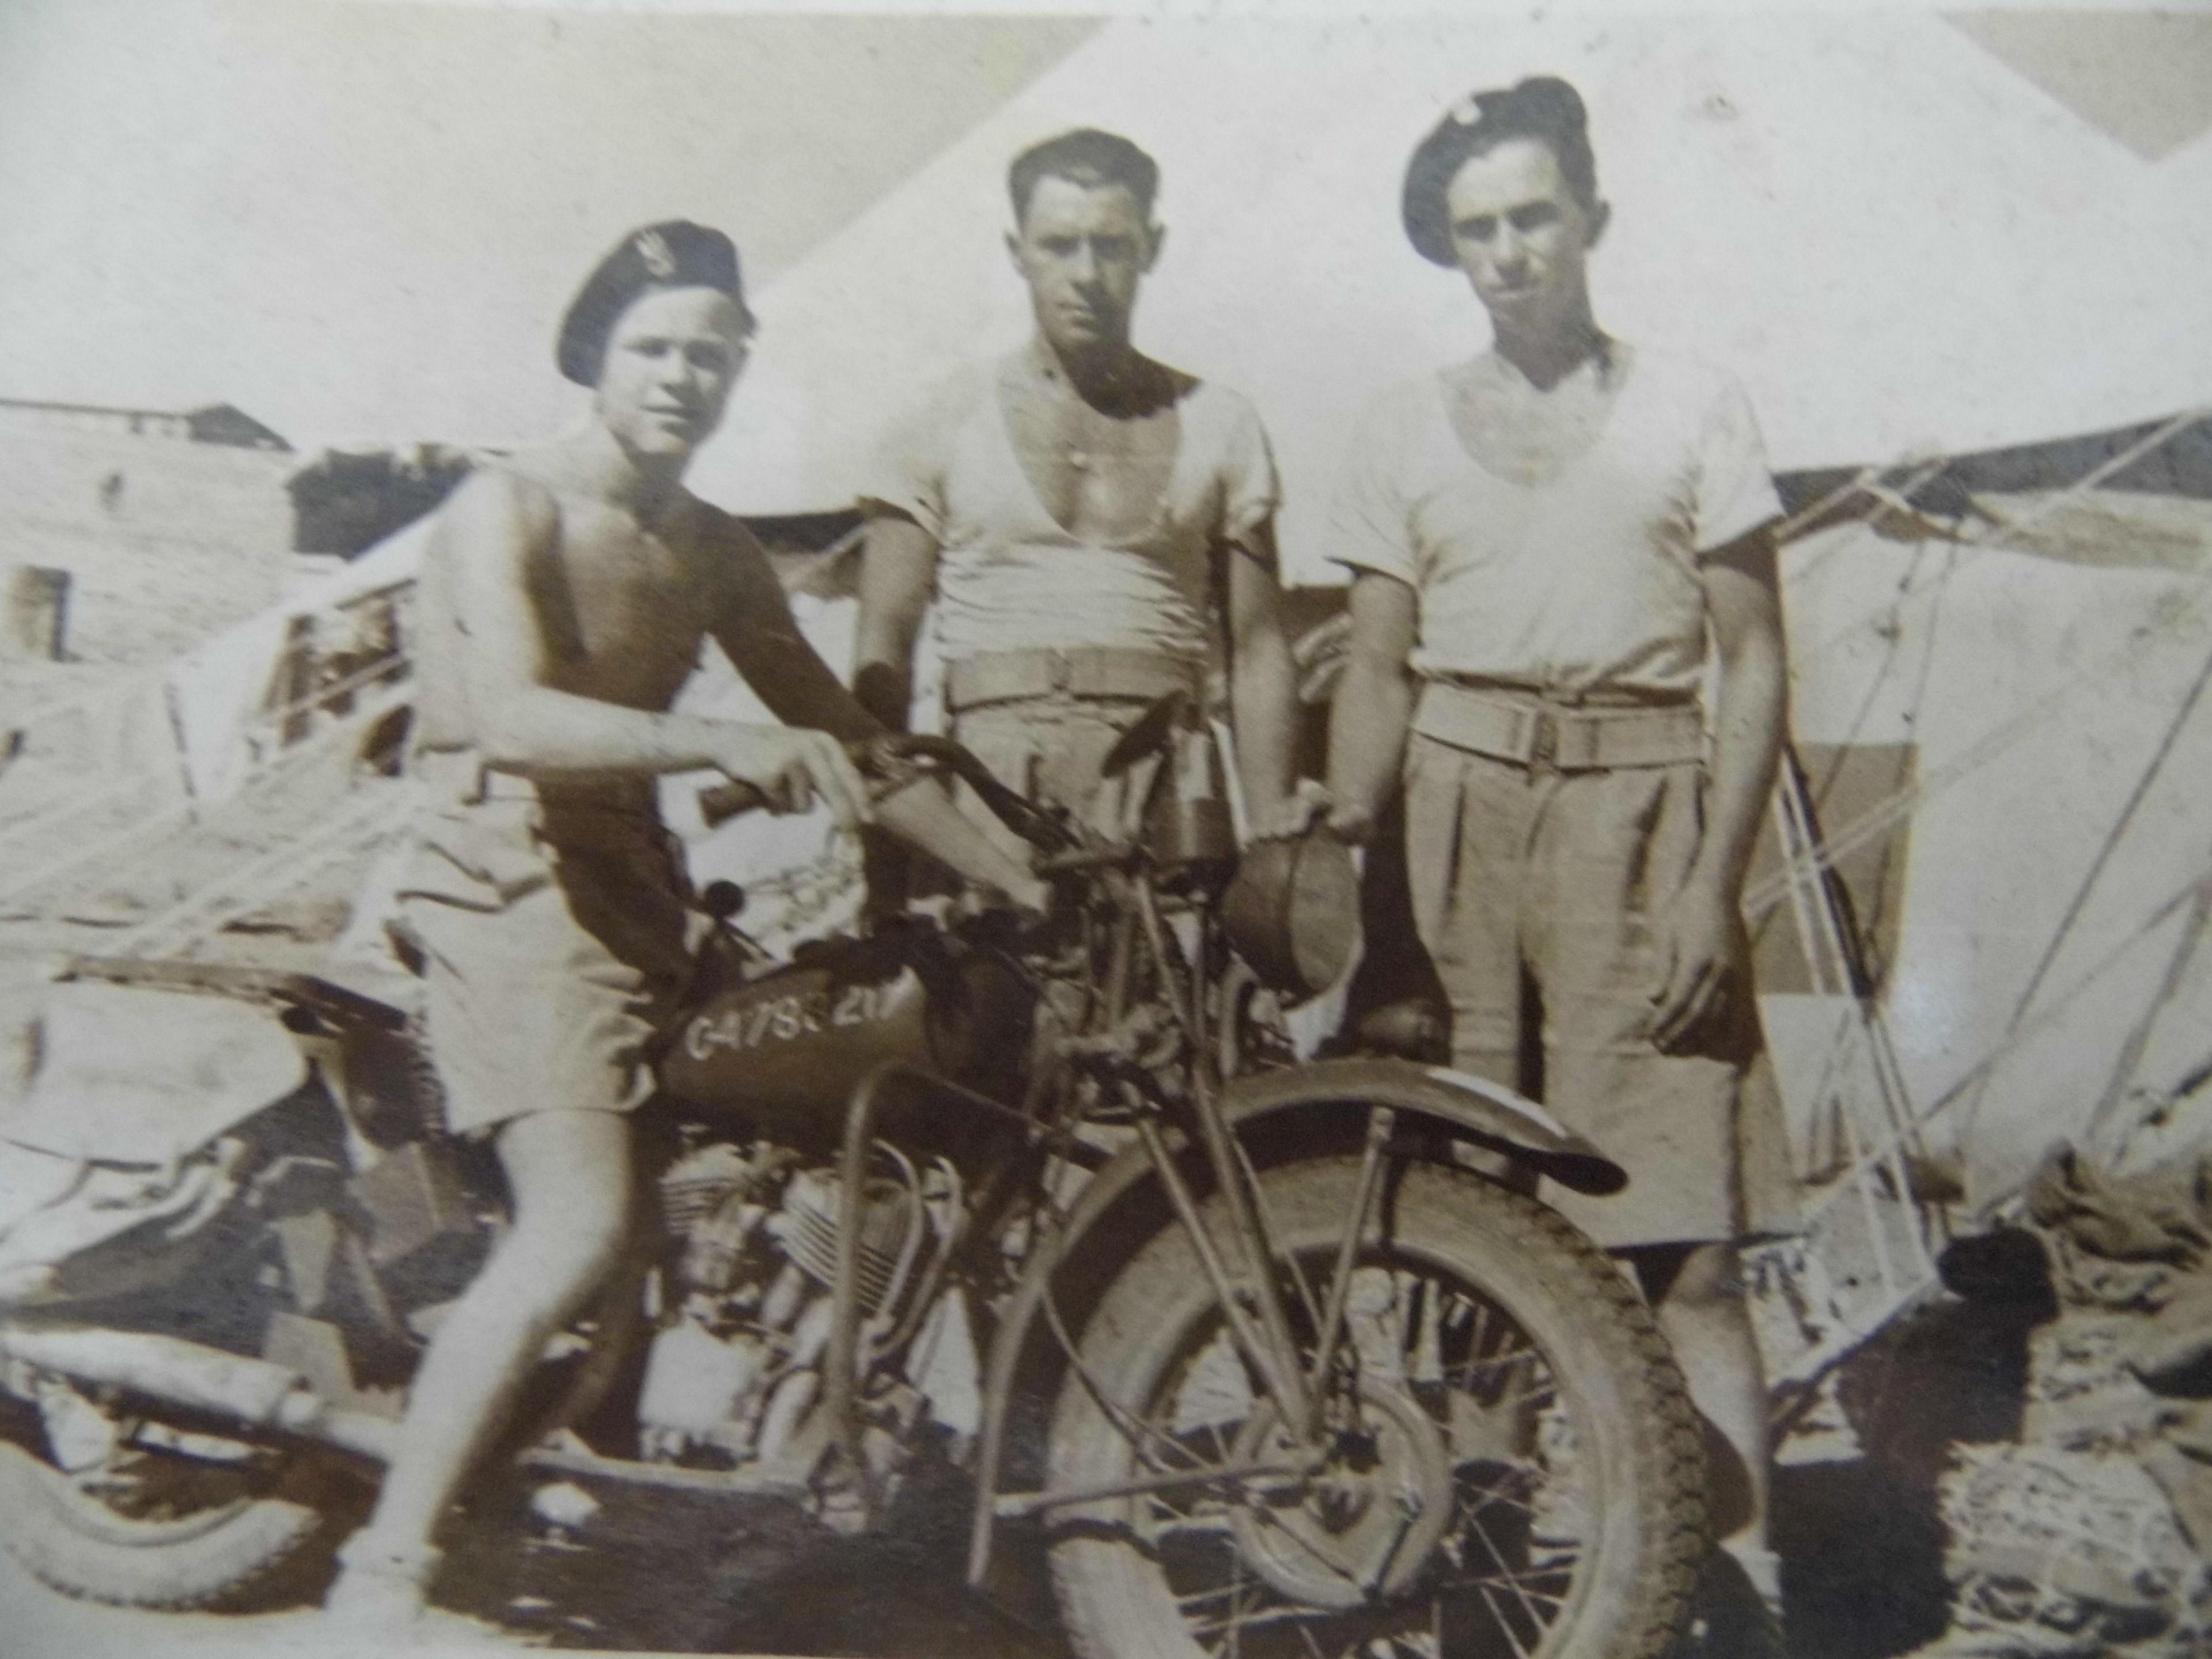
{"points": [[564, 600]]}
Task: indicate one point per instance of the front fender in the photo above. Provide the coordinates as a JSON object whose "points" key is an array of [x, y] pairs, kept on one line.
{"points": [[1461, 1106], [1464, 1107], [1467, 1107]]}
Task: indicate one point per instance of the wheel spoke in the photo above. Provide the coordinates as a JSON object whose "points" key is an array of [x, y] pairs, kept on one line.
{"points": [[1511, 1580], [1498, 1494], [1424, 1363], [1505, 1624]]}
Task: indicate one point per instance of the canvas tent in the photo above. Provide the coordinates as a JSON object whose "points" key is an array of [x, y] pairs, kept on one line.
{"points": [[1897, 241]]}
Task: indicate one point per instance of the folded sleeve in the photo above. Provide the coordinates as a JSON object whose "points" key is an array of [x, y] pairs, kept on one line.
{"points": [[906, 472], [1370, 521], [1251, 487], [1735, 492]]}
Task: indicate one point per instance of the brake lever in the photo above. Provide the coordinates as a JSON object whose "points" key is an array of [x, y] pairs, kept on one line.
{"points": [[894, 752]]}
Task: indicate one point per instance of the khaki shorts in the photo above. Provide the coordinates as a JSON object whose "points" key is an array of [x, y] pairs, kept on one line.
{"points": [[1534, 892], [552, 939]]}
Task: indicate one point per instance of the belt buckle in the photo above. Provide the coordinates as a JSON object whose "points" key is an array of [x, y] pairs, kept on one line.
{"points": [[1543, 741], [1059, 669]]}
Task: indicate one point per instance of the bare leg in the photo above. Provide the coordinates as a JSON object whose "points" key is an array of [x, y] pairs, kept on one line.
{"points": [[1701, 1310], [569, 1175]]}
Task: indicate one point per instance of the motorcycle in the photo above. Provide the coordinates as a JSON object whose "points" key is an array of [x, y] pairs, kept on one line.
{"points": [[1274, 1358]]}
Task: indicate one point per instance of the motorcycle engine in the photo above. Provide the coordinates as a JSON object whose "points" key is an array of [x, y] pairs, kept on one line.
{"points": [[745, 1307]]}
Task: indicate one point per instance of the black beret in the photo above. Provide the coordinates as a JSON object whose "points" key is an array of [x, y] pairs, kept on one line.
{"points": [[675, 253], [1542, 107]]}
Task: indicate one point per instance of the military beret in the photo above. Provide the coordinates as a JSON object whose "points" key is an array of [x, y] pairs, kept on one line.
{"points": [[675, 253], [1543, 107]]}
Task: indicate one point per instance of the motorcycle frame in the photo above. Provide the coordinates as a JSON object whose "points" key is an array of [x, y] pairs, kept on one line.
{"points": [[1439, 1104]]}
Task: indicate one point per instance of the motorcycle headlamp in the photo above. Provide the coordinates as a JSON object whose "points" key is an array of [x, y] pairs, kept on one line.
{"points": [[1292, 912]]}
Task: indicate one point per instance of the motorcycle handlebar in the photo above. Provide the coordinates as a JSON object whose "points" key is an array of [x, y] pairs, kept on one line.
{"points": [[878, 760]]}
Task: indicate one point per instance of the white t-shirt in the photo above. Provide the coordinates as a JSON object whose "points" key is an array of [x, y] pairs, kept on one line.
{"points": [[1010, 578], [1587, 579]]}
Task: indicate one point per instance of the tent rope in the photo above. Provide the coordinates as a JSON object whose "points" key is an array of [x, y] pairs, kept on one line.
{"points": [[2098, 865], [1876, 820]]}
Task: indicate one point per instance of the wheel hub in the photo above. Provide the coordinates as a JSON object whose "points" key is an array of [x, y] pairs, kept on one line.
{"points": [[1361, 1526]]}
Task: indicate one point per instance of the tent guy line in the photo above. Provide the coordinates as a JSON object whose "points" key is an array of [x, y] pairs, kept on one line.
{"points": [[2098, 865], [1769, 892]]}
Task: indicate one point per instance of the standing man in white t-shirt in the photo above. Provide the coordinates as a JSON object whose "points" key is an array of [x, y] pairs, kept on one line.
{"points": [[1084, 517], [1546, 542]]}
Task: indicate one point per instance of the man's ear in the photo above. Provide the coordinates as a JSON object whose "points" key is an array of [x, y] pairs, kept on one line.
{"points": [[1014, 250], [1155, 237], [1600, 217]]}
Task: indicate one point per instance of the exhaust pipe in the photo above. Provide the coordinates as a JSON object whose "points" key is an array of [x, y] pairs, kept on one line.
{"points": [[205, 1379]]}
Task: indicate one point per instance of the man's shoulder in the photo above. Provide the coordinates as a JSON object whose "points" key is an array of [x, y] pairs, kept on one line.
{"points": [[947, 397], [1682, 375], [1206, 398], [1390, 413], [719, 531], [506, 492]]}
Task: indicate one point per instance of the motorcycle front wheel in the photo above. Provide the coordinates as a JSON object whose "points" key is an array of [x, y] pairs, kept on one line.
{"points": [[1508, 1464]]}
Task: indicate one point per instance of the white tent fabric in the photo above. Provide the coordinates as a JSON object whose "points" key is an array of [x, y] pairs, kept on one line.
{"points": [[2038, 695], [1897, 241]]}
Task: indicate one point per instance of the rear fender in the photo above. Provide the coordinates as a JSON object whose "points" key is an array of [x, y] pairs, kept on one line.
{"points": [[1455, 1106], [134, 1075]]}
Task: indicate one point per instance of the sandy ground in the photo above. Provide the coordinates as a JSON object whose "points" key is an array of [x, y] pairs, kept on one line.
{"points": [[1860, 1546], [652, 1571]]}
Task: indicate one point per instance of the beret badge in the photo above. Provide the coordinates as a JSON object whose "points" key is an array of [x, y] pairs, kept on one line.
{"points": [[674, 253], [653, 251]]}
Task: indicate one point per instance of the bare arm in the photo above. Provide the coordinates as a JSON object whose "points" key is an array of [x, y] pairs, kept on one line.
{"points": [[1374, 703], [1263, 690], [898, 572], [495, 530], [763, 642], [1750, 713], [1751, 710], [757, 631]]}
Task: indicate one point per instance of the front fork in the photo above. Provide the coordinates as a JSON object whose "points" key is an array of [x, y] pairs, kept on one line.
{"points": [[1268, 1344], [1252, 1304]]}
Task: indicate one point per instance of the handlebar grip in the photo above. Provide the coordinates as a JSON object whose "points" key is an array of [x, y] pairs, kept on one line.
{"points": [[720, 802]]}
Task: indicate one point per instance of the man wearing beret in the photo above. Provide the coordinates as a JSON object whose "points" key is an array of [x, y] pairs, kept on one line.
{"points": [[1566, 647], [563, 601], [1081, 514]]}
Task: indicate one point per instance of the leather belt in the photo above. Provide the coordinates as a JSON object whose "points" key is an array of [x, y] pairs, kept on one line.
{"points": [[1090, 671], [1531, 731]]}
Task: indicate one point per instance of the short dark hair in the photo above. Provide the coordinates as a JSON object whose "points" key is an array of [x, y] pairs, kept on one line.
{"points": [[1085, 156], [1542, 107]]}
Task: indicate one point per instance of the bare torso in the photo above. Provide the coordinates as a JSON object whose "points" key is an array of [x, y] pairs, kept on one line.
{"points": [[1100, 469], [623, 608]]}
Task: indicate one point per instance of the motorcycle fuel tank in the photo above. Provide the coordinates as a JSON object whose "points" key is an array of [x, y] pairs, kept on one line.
{"points": [[790, 1046]]}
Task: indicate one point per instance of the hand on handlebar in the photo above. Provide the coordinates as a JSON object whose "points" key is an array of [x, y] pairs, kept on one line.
{"points": [[790, 769]]}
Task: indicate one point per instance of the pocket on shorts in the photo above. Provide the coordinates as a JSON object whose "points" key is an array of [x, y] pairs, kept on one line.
{"points": [[484, 858]]}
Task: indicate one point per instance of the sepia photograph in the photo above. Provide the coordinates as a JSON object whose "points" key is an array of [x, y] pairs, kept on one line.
{"points": [[1174, 832]]}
